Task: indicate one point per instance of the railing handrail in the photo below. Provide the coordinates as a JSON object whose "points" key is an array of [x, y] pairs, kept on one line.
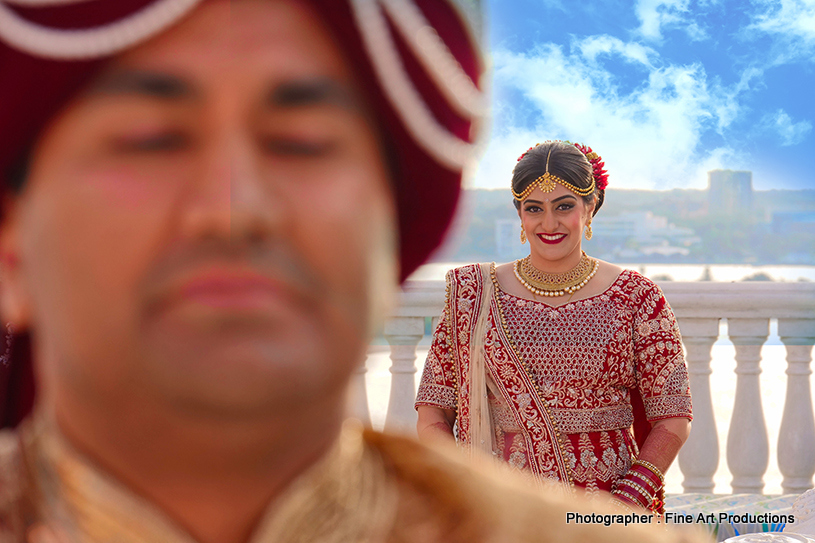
{"points": [[748, 299], [699, 306]]}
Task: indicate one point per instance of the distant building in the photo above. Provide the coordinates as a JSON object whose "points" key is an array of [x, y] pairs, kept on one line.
{"points": [[729, 191], [507, 239], [634, 236], [641, 224], [628, 236], [793, 222]]}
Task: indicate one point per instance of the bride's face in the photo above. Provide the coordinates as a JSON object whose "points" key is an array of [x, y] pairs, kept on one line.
{"points": [[554, 223]]}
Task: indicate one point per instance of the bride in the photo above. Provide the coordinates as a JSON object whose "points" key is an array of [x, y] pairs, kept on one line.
{"points": [[566, 367]]}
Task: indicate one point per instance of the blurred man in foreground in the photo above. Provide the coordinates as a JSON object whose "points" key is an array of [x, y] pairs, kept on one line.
{"points": [[208, 206]]}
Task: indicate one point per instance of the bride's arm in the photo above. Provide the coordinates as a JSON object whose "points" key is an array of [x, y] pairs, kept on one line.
{"points": [[435, 424], [664, 441]]}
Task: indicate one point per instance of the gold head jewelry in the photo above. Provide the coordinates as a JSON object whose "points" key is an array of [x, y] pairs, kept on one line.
{"points": [[547, 182]]}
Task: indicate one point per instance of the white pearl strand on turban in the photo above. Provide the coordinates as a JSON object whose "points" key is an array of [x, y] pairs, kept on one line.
{"points": [[456, 86], [450, 78], [90, 43]]}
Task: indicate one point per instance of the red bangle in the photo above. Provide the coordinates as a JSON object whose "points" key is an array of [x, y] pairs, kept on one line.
{"points": [[624, 496], [636, 475], [643, 499], [638, 489], [648, 474], [651, 468]]}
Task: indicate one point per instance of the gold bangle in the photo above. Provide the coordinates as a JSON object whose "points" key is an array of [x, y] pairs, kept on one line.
{"points": [[637, 487], [647, 475], [649, 466], [634, 500], [642, 478]]}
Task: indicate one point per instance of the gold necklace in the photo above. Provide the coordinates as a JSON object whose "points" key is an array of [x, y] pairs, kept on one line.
{"points": [[555, 284], [552, 281]]}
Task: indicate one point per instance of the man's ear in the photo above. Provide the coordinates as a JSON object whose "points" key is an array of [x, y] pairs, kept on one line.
{"points": [[15, 302]]}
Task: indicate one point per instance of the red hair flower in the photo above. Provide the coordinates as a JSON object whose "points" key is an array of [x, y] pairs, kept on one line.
{"points": [[597, 165], [525, 152]]}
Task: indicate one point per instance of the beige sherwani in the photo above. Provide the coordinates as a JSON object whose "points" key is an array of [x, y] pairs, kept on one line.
{"points": [[370, 488]]}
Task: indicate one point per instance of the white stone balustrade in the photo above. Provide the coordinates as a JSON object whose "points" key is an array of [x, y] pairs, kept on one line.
{"points": [[403, 335], [748, 449], [699, 457], [700, 306], [796, 454]]}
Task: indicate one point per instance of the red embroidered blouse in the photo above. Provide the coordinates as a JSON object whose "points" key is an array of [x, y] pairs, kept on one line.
{"points": [[584, 357]]}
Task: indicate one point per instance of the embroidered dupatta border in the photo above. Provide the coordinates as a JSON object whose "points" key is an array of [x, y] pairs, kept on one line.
{"points": [[529, 409], [464, 298]]}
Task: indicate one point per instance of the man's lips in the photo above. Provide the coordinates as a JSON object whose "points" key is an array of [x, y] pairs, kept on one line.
{"points": [[230, 290], [551, 239]]}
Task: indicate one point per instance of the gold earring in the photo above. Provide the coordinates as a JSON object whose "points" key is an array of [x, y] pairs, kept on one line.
{"points": [[523, 235], [588, 230]]}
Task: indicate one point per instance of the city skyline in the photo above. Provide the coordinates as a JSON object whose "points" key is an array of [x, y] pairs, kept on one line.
{"points": [[727, 222]]}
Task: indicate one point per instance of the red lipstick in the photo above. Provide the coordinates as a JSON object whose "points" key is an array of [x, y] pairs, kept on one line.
{"points": [[551, 239]]}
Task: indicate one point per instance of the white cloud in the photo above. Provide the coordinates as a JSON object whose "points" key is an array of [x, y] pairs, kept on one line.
{"points": [[594, 46], [791, 133], [791, 23], [656, 15], [554, 4], [650, 137]]}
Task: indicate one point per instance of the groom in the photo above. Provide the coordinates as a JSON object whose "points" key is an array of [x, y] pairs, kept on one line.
{"points": [[206, 212]]}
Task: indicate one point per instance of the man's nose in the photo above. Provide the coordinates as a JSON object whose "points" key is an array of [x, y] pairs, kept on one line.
{"points": [[230, 199]]}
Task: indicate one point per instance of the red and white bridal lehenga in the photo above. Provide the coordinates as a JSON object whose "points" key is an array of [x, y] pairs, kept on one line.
{"points": [[564, 385]]}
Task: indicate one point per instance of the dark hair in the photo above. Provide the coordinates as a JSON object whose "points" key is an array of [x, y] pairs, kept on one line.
{"points": [[566, 161]]}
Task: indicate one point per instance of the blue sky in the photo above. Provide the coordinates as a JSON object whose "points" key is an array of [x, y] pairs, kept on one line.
{"points": [[664, 90]]}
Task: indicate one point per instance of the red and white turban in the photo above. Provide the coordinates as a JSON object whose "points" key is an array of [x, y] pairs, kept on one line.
{"points": [[420, 60]]}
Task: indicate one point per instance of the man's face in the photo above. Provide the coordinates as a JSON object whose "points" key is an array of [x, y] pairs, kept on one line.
{"points": [[210, 224]]}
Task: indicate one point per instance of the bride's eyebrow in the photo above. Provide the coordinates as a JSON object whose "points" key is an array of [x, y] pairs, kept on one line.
{"points": [[530, 201]]}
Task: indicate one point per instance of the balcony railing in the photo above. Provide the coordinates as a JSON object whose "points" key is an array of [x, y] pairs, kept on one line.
{"points": [[747, 308]]}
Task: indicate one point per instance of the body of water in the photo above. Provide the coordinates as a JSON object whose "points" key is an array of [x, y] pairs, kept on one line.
{"points": [[676, 272]]}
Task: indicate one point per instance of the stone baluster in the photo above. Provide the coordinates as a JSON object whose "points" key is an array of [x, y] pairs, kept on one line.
{"points": [[403, 334], [699, 457], [748, 448], [796, 438], [358, 396]]}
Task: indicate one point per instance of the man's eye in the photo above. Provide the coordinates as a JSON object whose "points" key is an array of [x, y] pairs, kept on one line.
{"points": [[297, 148], [170, 141]]}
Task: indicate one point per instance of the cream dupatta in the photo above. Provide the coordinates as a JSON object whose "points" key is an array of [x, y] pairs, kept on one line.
{"points": [[485, 359], [482, 433]]}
